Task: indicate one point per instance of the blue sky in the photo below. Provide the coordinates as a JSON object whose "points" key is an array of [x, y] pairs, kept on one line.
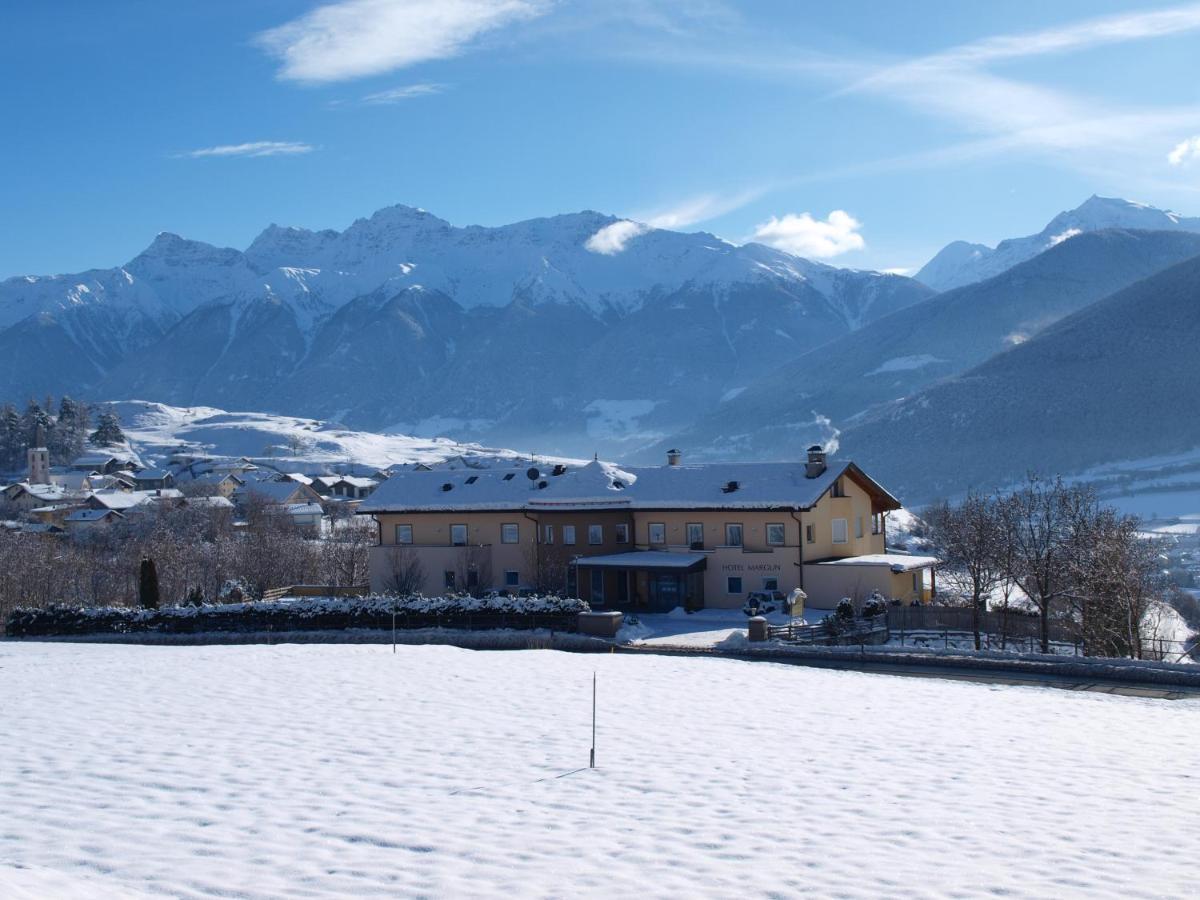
{"points": [[862, 133]]}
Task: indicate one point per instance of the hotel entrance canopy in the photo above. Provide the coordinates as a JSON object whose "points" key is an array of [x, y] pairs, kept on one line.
{"points": [[656, 560]]}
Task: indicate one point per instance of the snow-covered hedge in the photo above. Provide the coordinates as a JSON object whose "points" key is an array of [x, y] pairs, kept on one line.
{"points": [[307, 613]]}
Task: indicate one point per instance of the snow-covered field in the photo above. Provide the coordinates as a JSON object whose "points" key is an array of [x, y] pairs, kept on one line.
{"points": [[155, 430], [303, 771]]}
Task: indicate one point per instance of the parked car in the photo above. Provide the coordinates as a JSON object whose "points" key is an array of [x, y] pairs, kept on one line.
{"points": [[761, 602]]}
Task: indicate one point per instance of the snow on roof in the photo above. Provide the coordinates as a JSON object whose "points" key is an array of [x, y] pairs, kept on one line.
{"points": [[91, 515], [357, 481], [151, 474], [278, 491], [713, 486], [211, 502], [120, 499], [304, 509], [644, 559], [897, 562], [592, 484]]}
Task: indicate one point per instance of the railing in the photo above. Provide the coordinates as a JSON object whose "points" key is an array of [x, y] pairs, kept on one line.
{"points": [[856, 631]]}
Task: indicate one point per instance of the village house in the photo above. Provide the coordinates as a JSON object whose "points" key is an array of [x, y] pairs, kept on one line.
{"points": [[153, 480], [100, 463], [649, 538], [85, 520]]}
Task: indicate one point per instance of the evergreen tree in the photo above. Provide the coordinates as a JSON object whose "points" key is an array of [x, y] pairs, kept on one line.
{"points": [[12, 438], [148, 584], [34, 416], [70, 431], [109, 430]]}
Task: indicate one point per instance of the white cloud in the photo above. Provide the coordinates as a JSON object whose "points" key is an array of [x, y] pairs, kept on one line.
{"points": [[897, 270], [358, 38], [1076, 36], [254, 148], [1064, 236], [954, 85], [612, 239], [802, 235], [1185, 151], [402, 93]]}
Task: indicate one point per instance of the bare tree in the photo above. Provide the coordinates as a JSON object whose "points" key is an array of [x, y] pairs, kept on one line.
{"points": [[404, 572], [968, 536], [1037, 520]]}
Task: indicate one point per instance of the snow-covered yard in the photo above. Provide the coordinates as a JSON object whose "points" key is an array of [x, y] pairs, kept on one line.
{"points": [[318, 770]]}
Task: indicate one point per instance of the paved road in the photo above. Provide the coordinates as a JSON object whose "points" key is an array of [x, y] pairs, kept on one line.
{"points": [[934, 669]]}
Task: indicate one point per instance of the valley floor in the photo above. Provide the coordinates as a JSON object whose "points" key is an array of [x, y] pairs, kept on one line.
{"points": [[345, 770]]}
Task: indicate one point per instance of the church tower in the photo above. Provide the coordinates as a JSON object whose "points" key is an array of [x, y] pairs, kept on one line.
{"points": [[38, 457]]}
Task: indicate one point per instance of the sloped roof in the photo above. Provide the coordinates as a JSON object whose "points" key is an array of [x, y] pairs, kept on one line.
{"points": [[120, 499], [91, 515], [598, 484], [275, 491]]}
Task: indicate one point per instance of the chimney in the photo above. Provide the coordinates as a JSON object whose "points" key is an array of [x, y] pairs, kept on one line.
{"points": [[673, 457], [816, 461]]}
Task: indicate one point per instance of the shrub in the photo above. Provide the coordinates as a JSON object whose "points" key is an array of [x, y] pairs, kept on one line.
{"points": [[876, 605], [304, 614], [844, 610]]}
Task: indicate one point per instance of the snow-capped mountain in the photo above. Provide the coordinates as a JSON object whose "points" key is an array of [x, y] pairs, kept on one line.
{"points": [[404, 320], [961, 263], [814, 395]]}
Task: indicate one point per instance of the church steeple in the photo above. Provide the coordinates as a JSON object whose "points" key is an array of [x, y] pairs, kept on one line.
{"points": [[38, 458]]}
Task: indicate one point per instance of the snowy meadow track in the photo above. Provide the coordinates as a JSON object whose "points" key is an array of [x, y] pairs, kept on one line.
{"points": [[319, 770]]}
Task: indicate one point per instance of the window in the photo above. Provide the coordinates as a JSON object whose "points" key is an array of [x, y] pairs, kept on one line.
{"points": [[597, 585], [810, 533], [775, 534], [839, 531], [733, 534], [733, 584], [771, 583], [858, 528], [622, 533], [658, 533], [837, 490], [548, 534], [448, 580], [569, 534], [458, 535], [510, 533], [695, 535], [595, 534], [877, 523], [512, 578], [404, 534]]}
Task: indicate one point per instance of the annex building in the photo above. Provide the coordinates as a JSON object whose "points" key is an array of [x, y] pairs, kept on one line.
{"points": [[649, 538]]}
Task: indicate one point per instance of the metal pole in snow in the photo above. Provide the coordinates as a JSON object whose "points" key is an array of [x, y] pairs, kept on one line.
{"points": [[592, 761], [393, 625]]}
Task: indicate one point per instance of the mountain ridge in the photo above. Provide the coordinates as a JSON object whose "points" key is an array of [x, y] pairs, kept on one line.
{"points": [[960, 263]]}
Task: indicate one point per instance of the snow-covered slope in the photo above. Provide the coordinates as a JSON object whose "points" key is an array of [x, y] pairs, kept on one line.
{"points": [[155, 430], [960, 263], [405, 321]]}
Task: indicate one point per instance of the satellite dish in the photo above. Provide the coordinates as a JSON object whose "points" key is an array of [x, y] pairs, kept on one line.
{"points": [[533, 474]]}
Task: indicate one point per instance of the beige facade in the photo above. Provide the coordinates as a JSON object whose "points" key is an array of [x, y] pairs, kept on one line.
{"points": [[738, 549]]}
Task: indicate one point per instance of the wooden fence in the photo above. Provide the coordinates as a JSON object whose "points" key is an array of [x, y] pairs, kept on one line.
{"points": [[1014, 625]]}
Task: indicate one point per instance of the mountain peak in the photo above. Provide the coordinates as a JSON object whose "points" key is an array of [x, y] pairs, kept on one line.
{"points": [[956, 265]]}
